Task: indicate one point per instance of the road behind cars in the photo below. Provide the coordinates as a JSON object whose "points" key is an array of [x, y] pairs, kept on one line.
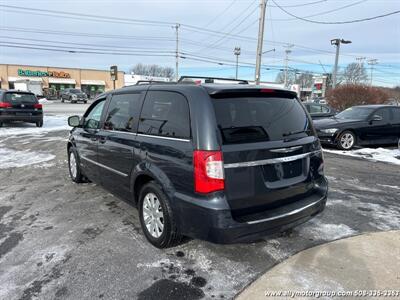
{"points": [[62, 240]]}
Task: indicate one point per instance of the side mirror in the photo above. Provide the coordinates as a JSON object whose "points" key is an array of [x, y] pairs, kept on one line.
{"points": [[74, 121], [376, 118]]}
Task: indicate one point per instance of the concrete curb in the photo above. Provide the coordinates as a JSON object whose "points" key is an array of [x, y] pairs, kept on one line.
{"points": [[365, 262]]}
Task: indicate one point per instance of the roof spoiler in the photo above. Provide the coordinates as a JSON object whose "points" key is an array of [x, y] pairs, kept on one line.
{"points": [[191, 79]]}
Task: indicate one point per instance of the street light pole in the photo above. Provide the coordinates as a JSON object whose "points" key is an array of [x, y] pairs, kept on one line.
{"points": [[337, 43], [263, 4], [287, 52], [177, 51], [372, 62], [237, 53]]}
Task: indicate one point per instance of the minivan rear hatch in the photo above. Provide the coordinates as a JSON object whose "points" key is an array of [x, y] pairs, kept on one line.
{"points": [[270, 151]]}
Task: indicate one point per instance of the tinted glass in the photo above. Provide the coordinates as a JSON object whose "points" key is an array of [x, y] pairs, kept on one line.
{"points": [[384, 113], [315, 108], [16, 98], [246, 120], [121, 112], [396, 114], [75, 91], [92, 120], [325, 109], [165, 114], [355, 113]]}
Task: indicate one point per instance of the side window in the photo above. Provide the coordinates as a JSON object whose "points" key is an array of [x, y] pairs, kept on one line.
{"points": [[384, 113], [325, 109], [165, 114], [121, 112], [92, 120], [396, 114], [315, 108], [308, 107]]}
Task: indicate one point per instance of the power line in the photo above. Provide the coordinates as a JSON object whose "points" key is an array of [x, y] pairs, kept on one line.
{"points": [[300, 5], [103, 18], [325, 12], [338, 22], [220, 14]]}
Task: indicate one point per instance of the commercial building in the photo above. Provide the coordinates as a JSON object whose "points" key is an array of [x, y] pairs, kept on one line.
{"points": [[55, 79]]}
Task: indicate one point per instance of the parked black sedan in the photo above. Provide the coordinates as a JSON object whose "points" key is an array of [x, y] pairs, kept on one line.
{"points": [[361, 125], [20, 106], [319, 111]]}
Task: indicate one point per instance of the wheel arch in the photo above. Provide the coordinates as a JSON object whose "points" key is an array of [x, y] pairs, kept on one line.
{"points": [[144, 173]]}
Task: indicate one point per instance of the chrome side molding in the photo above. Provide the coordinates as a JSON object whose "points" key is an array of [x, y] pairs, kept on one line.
{"points": [[270, 161]]}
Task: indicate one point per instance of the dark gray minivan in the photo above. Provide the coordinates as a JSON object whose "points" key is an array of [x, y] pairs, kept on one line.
{"points": [[223, 163]]}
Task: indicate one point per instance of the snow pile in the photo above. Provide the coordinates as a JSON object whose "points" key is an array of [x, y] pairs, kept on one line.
{"points": [[44, 101], [15, 159], [391, 156], [50, 123]]}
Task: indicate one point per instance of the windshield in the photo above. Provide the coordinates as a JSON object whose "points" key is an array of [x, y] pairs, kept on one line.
{"points": [[75, 91], [249, 120], [16, 98], [355, 113]]}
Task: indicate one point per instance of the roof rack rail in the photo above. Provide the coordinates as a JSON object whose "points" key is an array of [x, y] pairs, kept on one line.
{"points": [[184, 79], [139, 82]]}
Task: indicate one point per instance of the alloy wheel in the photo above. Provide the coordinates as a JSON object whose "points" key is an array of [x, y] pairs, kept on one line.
{"points": [[153, 215], [347, 141], [72, 165]]}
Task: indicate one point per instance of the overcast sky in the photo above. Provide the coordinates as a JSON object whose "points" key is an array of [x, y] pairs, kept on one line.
{"points": [[379, 39]]}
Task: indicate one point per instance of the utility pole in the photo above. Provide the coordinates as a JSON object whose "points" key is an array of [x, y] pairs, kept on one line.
{"points": [[372, 62], [287, 52], [337, 43], [177, 51], [263, 5], [237, 53]]}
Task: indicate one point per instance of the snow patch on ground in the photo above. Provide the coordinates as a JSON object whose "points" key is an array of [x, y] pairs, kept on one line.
{"points": [[50, 123], [317, 230], [15, 159], [395, 187], [45, 101], [391, 156], [311, 281]]}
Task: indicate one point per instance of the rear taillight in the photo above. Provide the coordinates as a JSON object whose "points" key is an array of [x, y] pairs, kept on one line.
{"points": [[208, 171], [5, 105], [38, 106]]}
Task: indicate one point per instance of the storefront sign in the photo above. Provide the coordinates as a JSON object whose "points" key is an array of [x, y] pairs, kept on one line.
{"points": [[56, 74]]}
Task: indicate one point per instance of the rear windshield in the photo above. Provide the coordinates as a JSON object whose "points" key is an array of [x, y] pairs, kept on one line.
{"points": [[249, 120], [75, 91], [20, 98]]}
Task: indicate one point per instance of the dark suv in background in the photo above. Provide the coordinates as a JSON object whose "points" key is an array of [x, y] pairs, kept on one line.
{"points": [[73, 95], [20, 106], [224, 163]]}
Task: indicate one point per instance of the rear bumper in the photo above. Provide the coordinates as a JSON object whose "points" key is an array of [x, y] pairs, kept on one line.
{"points": [[216, 224], [31, 119]]}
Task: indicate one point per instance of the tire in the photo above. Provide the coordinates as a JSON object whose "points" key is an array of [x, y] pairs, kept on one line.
{"points": [[62, 99], [1, 124], [73, 166], [346, 140], [39, 124], [169, 235], [85, 102]]}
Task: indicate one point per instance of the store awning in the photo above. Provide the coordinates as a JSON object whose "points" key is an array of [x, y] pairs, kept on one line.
{"points": [[13, 79], [62, 80], [93, 82]]}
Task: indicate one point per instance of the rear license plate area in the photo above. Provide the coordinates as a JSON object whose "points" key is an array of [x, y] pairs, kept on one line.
{"points": [[23, 114], [285, 170]]}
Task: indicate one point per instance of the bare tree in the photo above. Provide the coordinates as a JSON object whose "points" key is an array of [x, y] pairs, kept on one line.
{"points": [[354, 73], [153, 70], [305, 80], [280, 77]]}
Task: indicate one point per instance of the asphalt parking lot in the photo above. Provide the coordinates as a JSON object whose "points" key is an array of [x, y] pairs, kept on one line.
{"points": [[60, 240]]}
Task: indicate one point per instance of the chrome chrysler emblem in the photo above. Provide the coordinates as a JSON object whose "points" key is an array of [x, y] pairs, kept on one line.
{"points": [[22, 105]]}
